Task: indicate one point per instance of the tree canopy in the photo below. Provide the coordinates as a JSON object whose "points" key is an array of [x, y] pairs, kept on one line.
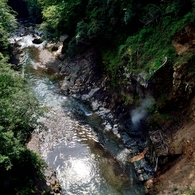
{"points": [[7, 24], [19, 111], [123, 30]]}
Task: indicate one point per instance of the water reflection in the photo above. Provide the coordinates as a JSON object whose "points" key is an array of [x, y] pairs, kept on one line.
{"points": [[83, 172], [76, 169]]}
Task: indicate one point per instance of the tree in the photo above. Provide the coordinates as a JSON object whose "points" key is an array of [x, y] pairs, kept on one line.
{"points": [[19, 111], [7, 24], [34, 10]]}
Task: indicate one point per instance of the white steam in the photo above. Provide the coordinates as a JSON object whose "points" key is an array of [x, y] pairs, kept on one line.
{"points": [[140, 113]]}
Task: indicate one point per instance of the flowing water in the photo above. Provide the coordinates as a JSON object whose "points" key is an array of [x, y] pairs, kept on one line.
{"points": [[71, 144]]}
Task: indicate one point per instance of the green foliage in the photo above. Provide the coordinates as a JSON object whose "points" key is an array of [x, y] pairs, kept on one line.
{"points": [[86, 19], [118, 30], [7, 24], [61, 16], [10, 148], [188, 192], [19, 111], [192, 192], [148, 49]]}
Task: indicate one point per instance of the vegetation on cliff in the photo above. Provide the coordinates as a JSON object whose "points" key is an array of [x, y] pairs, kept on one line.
{"points": [[19, 111], [135, 38], [131, 35]]}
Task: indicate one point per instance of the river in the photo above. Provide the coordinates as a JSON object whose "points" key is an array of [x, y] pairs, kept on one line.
{"points": [[71, 144]]}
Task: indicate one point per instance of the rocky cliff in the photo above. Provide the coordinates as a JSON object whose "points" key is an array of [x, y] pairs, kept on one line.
{"points": [[165, 100]]}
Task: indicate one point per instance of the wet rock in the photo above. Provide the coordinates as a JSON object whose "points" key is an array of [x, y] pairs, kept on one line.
{"points": [[128, 141], [95, 105], [52, 181], [107, 126], [90, 94], [115, 130], [54, 48], [63, 37], [37, 41], [143, 169], [158, 143]]}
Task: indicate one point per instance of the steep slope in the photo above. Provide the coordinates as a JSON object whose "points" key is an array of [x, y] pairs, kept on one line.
{"points": [[178, 175]]}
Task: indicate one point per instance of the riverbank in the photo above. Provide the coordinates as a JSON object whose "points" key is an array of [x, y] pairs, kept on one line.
{"points": [[177, 176]]}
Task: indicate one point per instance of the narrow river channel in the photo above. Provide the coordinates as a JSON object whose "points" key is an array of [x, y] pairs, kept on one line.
{"points": [[71, 145]]}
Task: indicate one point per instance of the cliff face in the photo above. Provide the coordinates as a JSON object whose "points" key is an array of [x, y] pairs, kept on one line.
{"points": [[172, 86]]}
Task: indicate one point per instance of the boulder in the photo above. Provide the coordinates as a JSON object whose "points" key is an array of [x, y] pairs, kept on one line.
{"points": [[37, 41]]}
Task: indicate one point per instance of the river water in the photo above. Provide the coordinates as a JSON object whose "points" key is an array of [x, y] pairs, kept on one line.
{"points": [[71, 143]]}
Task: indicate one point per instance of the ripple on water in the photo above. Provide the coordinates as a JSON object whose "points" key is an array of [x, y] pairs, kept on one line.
{"points": [[79, 173]]}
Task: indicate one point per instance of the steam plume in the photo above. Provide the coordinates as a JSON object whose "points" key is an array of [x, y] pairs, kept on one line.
{"points": [[140, 113]]}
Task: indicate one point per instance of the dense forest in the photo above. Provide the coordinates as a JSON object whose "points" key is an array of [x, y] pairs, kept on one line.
{"points": [[132, 30], [131, 36], [19, 111]]}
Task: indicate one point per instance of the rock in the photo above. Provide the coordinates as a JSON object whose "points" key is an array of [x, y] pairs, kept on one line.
{"points": [[95, 105], [129, 142], [37, 41], [143, 170], [107, 126], [34, 144], [51, 181], [90, 94], [139, 156], [63, 37], [158, 143], [67, 85], [115, 129], [54, 48]]}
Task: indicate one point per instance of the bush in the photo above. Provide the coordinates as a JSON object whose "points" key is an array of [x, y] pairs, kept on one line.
{"points": [[7, 24]]}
